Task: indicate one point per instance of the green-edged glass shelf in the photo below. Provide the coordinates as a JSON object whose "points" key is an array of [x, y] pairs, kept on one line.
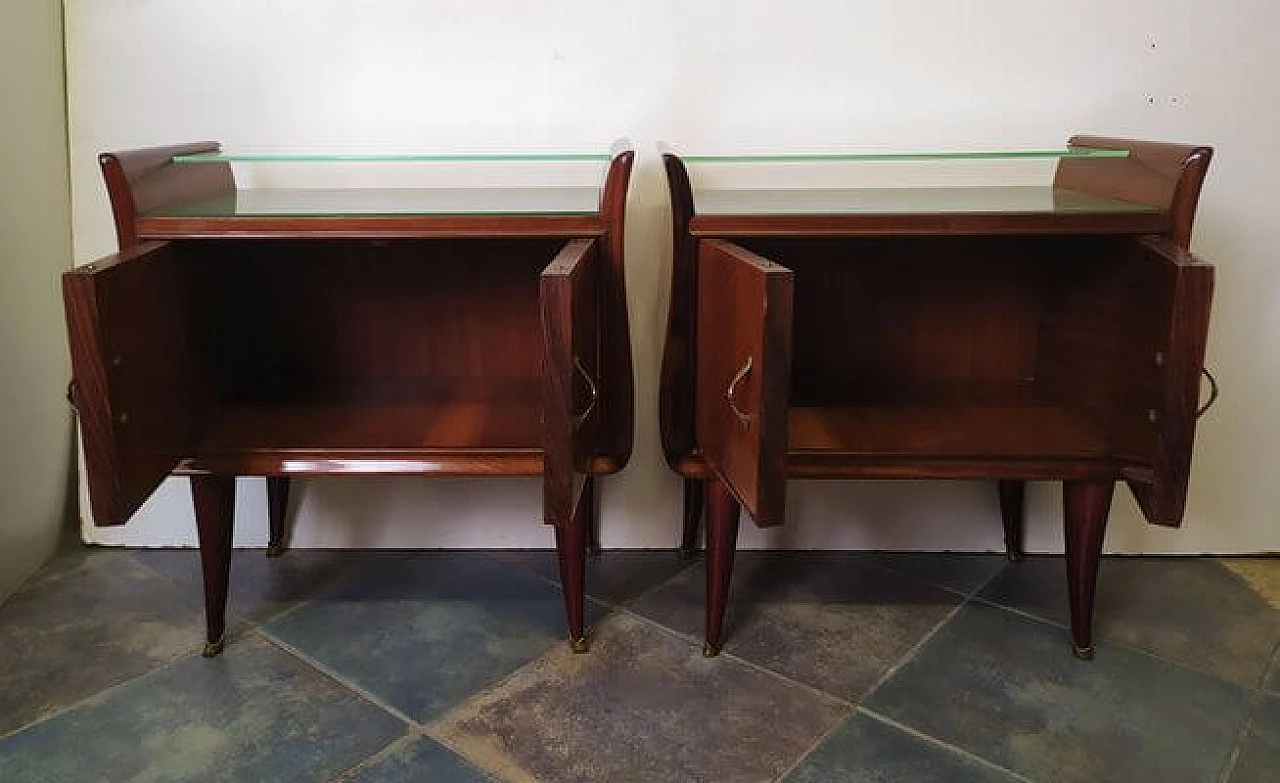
{"points": [[1043, 200], [391, 157], [264, 203], [878, 157]]}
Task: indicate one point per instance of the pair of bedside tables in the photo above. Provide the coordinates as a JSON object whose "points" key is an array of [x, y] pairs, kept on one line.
{"points": [[1002, 333]]}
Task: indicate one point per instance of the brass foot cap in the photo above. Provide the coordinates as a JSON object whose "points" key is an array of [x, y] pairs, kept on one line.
{"points": [[275, 550], [1083, 653], [580, 645], [211, 649], [709, 650]]}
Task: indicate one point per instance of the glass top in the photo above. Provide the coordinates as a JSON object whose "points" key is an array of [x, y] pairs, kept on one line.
{"points": [[389, 157], [859, 157], [390, 202], [908, 201]]}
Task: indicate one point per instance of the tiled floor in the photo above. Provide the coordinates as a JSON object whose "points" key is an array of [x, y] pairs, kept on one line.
{"points": [[431, 666]]}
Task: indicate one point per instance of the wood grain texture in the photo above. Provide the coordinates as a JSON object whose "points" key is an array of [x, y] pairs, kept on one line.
{"points": [[831, 225], [571, 379], [616, 432], [571, 550], [1086, 505], [678, 388], [1185, 286], [722, 543], [135, 388], [744, 374], [1168, 176], [139, 181], [215, 499]]}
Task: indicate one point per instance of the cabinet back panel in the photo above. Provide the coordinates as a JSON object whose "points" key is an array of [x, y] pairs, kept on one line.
{"points": [[954, 320], [314, 320]]}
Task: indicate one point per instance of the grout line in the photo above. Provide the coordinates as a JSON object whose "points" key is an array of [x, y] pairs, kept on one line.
{"points": [[111, 688], [1246, 726], [956, 749], [949, 588], [368, 761], [910, 654], [697, 644], [557, 648], [555, 580], [1273, 667], [1118, 644], [337, 678], [822, 738]]}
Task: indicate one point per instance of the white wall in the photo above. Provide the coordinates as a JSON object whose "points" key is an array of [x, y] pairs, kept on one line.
{"points": [[710, 76], [35, 247]]}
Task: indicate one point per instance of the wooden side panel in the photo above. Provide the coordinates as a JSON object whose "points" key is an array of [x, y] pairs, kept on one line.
{"points": [[569, 295], [134, 383], [677, 391], [139, 181], [744, 373], [1168, 176], [617, 403], [1181, 287]]}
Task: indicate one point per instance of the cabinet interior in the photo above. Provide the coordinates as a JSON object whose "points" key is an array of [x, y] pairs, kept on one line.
{"points": [[366, 344], [969, 346]]}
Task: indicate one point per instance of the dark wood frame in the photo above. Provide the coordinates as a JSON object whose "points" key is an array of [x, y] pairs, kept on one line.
{"points": [[1155, 462], [138, 388]]}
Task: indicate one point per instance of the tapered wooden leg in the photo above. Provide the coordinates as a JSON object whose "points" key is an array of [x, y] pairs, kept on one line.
{"points": [[1012, 504], [214, 498], [591, 506], [694, 495], [571, 550], [1086, 505], [277, 509], [722, 542]]}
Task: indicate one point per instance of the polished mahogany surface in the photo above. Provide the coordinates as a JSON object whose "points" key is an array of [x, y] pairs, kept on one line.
{"points": [[461, 332], [303, 331], [1000, 333]]}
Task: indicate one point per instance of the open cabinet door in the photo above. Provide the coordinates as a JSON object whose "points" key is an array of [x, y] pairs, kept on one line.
{"points": [[570, 291], [1177, 289], [744, 374], [133, 383]]}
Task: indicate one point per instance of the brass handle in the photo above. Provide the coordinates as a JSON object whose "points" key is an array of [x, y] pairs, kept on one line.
{"points": [[595, 393], [743, 418], [1213, 393]]}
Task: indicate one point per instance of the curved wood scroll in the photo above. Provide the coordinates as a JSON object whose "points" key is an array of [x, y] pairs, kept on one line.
{"points": [[676, 397], [139, 181], [1168, 176], [618, 389]]}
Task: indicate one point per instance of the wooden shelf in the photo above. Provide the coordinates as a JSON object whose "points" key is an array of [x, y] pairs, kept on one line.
{"points": [[394, 433]]}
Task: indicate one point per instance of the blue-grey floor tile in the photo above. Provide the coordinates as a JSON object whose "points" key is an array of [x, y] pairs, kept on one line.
{"points": [[1259, 760], [1193, 611], [865, 750], [1007, 689], [644, 705], [615, 575], [253, 714], [262, 587], [424, 632], [416, 759], [89, 620], [1272, 683], [958, 571], [829, 620]]}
